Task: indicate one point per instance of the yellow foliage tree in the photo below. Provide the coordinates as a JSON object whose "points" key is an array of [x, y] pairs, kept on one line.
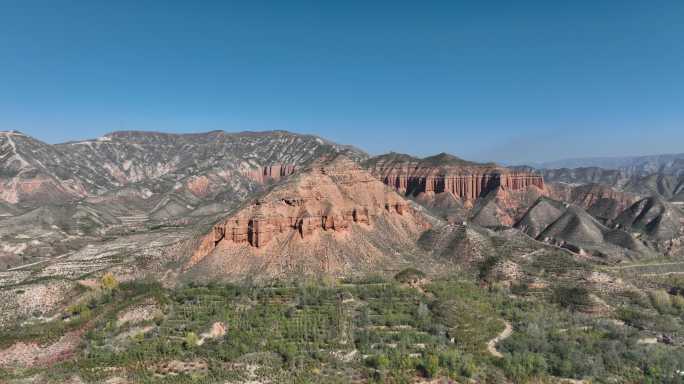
{"points": [[191, 340], [109, 281]]}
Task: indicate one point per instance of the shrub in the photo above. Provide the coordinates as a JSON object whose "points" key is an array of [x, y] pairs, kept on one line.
{"points": [[525, 365], [380, 362], [191, 340], [571, 297], [678, 302], [108, 281], [660, 300], [408, 275], [487, 265], [430, 365]]}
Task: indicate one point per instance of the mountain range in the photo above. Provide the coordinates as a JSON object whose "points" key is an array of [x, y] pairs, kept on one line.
{"points": [[265, 208], [668, 164], [66, 195]]}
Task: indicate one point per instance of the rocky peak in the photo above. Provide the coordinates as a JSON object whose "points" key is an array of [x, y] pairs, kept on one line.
{"points": [[331, 197]]}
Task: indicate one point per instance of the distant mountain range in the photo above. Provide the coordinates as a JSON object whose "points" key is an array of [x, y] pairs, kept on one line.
{"points": [[668, 164]]}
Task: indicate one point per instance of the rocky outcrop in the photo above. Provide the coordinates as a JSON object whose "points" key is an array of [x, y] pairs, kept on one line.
{"points": [[270, 172], [445, 173], [257, 229], [467, 187], [334, 198], [601, 201], [520, 180], [287, 211]]}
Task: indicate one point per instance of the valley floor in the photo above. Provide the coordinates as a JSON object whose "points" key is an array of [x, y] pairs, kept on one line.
{"points": [[328, 331]]}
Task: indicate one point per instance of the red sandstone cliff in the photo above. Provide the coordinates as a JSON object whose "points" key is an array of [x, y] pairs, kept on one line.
{"points": [[445, 173], [320, 218], [270, 172]]}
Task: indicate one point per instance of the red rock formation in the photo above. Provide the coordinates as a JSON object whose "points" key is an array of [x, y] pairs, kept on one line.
{"points": [[520, 180], [270, 172], [199, 186], [465, 181], [328, 197], [257, 229]]}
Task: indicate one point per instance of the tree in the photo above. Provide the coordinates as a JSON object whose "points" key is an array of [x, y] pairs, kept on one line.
{"points": [[191, 340], [431, 365], [109, 282], [571, 297], [380, 362], [409, 275]]}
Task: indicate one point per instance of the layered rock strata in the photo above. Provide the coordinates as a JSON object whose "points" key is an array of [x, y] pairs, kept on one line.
{"points": [[257, 228], [270, 172], [444, 173], [331, 196]]}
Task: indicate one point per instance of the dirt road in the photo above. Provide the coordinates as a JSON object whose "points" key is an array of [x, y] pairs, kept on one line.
{"points": [[506, 333]]}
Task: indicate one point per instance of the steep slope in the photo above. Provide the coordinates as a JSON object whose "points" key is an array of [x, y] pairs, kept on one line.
{"points": [[458, 243], [332, 217], [137, 180], [601, 201], [451, 187], [655, 217], [33, 171], [127, 157], [571, 227], [576, 227], [446, 173], [541, 215], [504, 206], [668, 187]]}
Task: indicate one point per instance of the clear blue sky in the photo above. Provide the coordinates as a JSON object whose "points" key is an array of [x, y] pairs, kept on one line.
{"points": [[511, 81]]}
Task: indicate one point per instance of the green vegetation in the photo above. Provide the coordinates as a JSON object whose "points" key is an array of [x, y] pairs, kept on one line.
{"points": [[409, 275], [109, 282], [571, 297], [575, 345], [375, 330]]}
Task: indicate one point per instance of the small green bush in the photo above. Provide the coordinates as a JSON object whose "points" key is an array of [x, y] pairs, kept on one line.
{"points": [[408, 275]]}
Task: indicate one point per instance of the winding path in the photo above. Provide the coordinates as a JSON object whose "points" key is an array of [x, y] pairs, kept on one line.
{"points": [[506, 333]]}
